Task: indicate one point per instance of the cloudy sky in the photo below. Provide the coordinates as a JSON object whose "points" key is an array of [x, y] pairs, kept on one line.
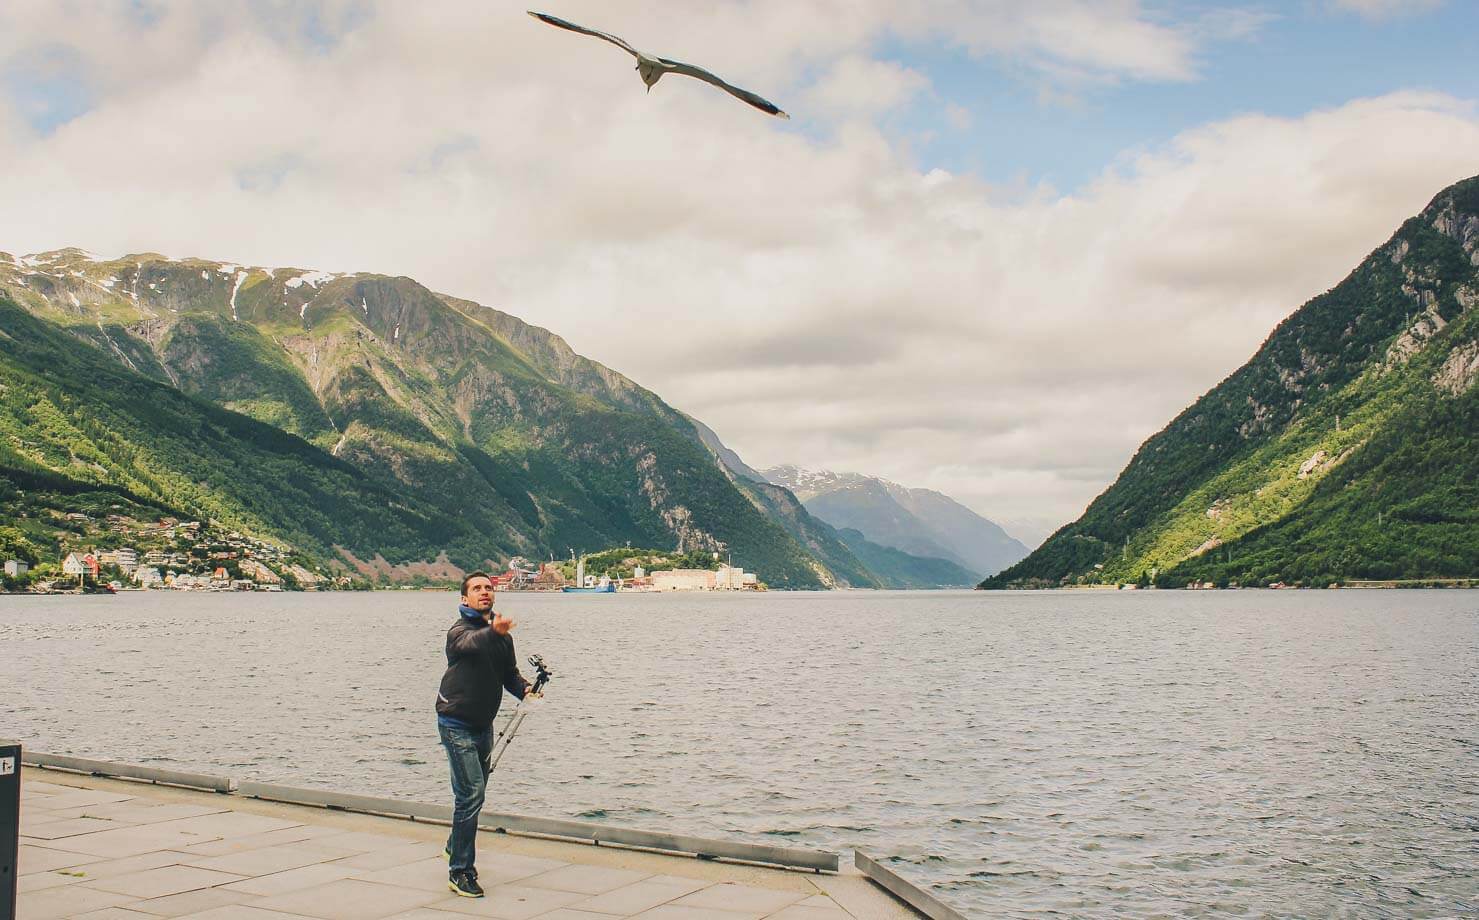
{"points": [[997, 246]]}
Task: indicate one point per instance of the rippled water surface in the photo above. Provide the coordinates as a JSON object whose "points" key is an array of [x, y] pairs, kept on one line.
{"points": [[1085, 754]]}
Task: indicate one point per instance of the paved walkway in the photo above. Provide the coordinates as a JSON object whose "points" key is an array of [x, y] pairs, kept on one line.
{"points": [[113, 850]]}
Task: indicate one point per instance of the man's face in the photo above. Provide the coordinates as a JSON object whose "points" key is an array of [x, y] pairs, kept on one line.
{"points": [[479, 595]]}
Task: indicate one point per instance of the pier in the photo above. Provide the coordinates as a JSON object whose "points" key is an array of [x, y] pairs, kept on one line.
{"points": [[107, 848]]}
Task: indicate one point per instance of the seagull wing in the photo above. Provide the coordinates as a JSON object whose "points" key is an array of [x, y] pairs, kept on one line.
{"points": [[688, 70], [566, 24]]}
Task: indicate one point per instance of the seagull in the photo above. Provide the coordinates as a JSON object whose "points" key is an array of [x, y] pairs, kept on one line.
{"points": [[651, 68]]}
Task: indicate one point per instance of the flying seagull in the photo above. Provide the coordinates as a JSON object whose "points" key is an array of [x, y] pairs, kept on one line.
{"points": [[651, 68]]}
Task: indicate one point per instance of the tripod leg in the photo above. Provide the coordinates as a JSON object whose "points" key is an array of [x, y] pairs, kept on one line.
{"points": [[507, 738]]}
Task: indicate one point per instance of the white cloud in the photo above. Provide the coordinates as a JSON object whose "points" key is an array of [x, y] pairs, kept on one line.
{"points": [[857, 84], [958, 116], [815, 299], [1073, 39], [1384, 9]]}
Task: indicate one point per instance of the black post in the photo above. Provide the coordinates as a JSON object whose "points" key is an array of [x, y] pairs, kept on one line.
{"points": [[10, 824]]}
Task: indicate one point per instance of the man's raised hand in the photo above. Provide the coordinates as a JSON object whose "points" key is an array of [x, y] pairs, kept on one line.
{"points": [[500, 623]]}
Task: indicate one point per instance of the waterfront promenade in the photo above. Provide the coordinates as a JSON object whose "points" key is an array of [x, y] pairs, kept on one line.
{"points": [[106, 849]]}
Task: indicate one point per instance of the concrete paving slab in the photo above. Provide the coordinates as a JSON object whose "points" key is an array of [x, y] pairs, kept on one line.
{"points": [[227, 824], [156, 883], [70, 827], [261, 861], [66, 902], [347, 899], [586, 880], [388, 858], [329, 850], [242, 912], [125, 841], [359, 841], [136, 812], [744, 898], [673, 912], [509, 902], [291, 880], [635, 898], [299, 836], [423, 875], [74, 798], [57, 814], [299, 861], [32, 818], [113, 913], [40, 787], [191, 902], [43, 859], [496, 868], [40, 881], [861, 898], [680, 881], [798, 912], [111, 867]]}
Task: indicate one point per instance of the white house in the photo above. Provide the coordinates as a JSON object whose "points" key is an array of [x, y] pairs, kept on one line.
{"points": [[147, 576], [16, 568], [76, 564], [683, 580]]}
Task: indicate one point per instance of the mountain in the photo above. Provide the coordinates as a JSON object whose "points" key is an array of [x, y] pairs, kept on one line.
{"points": [[897, 569], [74, 426], [920, 522], [727, 457], [818, 538], [1346, 448], [851, 558], [364, 418]]}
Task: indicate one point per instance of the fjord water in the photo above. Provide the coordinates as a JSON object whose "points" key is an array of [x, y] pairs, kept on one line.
{"points": [[1083, 753]]}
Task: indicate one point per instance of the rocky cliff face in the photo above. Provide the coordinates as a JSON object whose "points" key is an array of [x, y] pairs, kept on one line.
{"points": [[1344, 448]]}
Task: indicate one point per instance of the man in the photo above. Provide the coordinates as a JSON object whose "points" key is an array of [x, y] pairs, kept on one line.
{"points": [[480, 666]]}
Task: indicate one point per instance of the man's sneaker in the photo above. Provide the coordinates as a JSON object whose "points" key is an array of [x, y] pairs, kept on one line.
{"points": [[465, 884]]}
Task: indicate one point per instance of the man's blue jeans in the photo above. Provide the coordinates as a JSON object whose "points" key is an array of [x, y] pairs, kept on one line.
{"points": [[467, 752]]}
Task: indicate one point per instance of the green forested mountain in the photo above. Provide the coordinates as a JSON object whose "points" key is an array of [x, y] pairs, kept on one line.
{"points": [[1346, 448], [76, 426], [355, 416]]}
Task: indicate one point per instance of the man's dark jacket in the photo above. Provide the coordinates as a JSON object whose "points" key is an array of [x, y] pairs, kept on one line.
{"points": [[480, 665]]}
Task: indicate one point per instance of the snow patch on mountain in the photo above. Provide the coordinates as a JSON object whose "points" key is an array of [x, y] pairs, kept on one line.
{"points": [[240, 277], [312, 279]]}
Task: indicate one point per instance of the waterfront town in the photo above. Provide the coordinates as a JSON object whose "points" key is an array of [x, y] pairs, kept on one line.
{"points": [[523, 575], [116, 552]]}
